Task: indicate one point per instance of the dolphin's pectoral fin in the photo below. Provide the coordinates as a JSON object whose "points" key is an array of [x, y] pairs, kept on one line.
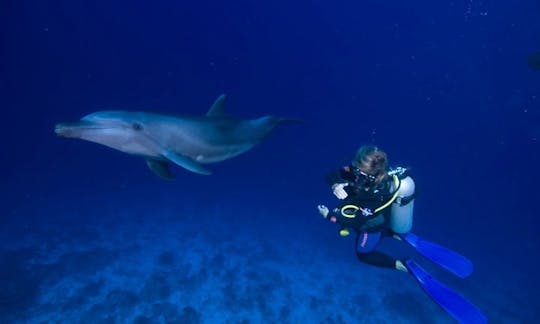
{"points": [[218, 108], [186, 162], [160, 168]]}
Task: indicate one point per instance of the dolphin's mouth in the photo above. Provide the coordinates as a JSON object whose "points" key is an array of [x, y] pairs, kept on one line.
{"points": [[75, 129]]}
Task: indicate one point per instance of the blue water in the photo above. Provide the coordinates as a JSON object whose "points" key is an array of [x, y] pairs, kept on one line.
{"points": [[90, 235]]}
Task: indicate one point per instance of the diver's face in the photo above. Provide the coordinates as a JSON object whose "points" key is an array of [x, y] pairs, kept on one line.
{"points": [[364, 179]]}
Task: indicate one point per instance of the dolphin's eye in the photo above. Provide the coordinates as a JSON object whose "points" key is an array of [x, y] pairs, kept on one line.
{"points": [[136, 126]]}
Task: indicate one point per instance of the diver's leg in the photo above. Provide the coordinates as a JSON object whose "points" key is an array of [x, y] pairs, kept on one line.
{"points": [[365, 251]]}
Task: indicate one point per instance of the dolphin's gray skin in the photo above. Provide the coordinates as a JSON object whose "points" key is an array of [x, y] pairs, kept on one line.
{"points": [[186, 141]]}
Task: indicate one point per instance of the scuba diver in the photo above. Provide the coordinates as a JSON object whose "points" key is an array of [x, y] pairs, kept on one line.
{"points": [[378, 202]]}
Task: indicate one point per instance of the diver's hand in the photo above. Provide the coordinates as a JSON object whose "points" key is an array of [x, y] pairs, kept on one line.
{"points": [[400, 266], [323, 210], [339, 190]]}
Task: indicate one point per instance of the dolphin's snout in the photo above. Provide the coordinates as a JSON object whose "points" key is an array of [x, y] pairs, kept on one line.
{"points": [[61, 130], [69, 129]]}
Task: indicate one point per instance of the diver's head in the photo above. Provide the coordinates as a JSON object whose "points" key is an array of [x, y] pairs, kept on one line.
{"points": [[371, 165]]}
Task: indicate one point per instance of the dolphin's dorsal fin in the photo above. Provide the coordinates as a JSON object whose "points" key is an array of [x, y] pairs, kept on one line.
{"points": [[160, 168], [218, 108], [186, 162]]}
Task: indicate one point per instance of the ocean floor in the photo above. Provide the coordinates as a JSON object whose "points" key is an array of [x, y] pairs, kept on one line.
{"points": [[169, 267]]}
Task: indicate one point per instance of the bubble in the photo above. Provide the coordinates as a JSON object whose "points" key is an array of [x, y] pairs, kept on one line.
{"points": [[475, 8]]}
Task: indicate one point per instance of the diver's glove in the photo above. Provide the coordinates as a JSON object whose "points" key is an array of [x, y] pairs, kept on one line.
{"points": [[339, 191], [400, 265], [323, 210]]}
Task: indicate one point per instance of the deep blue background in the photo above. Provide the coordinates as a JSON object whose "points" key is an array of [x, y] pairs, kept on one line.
{"points": [[443, 87]]}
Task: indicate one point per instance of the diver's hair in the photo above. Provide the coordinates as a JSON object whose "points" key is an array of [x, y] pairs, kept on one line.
{"points": [[371, 160]]}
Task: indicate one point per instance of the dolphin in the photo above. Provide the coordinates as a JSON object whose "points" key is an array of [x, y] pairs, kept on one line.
{"points": [[186, 141]]}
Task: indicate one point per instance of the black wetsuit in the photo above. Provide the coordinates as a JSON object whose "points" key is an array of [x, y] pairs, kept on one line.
{"points": [[369, 228]]}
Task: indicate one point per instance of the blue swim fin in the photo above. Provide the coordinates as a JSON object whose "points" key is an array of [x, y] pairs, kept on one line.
{"points": [[457, 306], [446, 258]]}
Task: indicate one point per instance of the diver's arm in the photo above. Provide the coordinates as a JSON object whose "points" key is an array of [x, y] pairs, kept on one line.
{"points": [[340, 180], [325, 212], [329, 216], [343, 175]]}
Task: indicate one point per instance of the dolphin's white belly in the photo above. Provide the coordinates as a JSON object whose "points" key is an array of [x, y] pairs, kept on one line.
{"points": [[138, 148], [205, 152], [216, 154], [136, 144], [201, 142]]}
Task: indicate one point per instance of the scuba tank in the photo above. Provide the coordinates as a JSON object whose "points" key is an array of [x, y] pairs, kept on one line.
{"points": [[401, 214]]}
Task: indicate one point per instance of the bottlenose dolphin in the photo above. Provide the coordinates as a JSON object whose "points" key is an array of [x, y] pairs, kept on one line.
{"points": [[185, 141]]}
